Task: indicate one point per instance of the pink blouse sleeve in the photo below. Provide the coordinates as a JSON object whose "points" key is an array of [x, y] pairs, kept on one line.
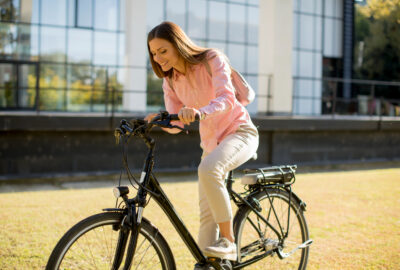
{"points": [[171, 100], [222, 85]]}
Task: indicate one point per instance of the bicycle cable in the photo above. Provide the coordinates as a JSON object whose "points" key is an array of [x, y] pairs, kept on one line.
{"points": [[129, 173]]}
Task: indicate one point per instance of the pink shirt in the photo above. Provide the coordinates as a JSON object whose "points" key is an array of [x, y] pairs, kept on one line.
{"points": [[213, 95]]}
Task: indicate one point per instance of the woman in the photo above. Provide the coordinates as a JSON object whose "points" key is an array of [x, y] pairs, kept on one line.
{"points": [[197, 81]]}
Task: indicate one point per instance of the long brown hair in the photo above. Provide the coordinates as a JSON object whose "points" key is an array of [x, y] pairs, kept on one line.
{"points": [[187, 49]]}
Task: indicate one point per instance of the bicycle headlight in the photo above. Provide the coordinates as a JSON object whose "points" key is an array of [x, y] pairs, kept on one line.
{"points": [[120, 191]]}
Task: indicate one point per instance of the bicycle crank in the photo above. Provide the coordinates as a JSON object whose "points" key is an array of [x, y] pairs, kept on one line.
{"points": [[224, 264], [283, 255]]}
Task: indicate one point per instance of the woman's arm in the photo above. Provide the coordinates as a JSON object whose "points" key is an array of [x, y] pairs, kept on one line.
{"points": [[222, 85]]}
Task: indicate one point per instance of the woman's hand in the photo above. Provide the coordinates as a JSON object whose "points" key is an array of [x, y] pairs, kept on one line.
{"points": [[150, 117], [187, 115]]}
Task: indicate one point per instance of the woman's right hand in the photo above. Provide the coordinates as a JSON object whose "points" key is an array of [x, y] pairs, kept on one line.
{"points": [[150, 117]]}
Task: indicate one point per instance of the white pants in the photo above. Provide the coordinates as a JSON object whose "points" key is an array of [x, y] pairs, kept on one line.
{"points": [[214, 201]]}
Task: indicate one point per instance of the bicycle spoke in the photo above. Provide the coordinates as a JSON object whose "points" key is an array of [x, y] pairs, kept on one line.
{"points": [[258, 238]]}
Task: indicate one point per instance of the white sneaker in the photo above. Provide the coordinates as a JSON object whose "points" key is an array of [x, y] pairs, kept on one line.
{"points": [[222, 248]]}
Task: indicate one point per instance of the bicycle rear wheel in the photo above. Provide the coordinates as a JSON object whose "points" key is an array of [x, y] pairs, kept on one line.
{"points": [[91, 244], [254, 237]]}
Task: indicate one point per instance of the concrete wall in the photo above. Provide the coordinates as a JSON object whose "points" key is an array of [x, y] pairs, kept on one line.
{"points": [[37, 146]]}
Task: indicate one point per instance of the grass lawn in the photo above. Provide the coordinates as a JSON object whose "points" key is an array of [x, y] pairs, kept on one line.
{"points": [[353, 218]]}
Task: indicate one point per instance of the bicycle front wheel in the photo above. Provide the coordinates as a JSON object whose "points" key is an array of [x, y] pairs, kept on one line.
{"points": [[91, 244], [255, 238]]}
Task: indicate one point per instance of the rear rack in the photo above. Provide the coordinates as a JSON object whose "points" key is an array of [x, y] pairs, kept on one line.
{"points": [[276, 174]]}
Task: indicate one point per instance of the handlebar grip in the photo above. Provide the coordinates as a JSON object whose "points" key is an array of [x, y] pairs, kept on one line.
{"points": [[174, 117]]}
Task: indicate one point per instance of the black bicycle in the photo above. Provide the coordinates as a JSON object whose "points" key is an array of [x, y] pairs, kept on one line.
{"points": [[269, 225]]}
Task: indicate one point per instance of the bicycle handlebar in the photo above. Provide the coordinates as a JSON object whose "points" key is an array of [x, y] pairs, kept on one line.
{"points": [[141, 127]]}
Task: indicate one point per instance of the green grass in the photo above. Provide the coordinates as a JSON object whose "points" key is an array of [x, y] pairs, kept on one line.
{"points": [[353, 218]]}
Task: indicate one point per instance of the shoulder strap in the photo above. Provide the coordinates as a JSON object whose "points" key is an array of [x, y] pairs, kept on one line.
{"points": [[209, 68]]}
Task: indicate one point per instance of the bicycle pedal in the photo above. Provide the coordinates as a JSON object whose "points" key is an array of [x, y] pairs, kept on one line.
{"points": [[198, 266], [225, 264]]}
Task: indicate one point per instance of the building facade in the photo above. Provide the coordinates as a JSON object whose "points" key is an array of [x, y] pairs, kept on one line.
{"points": [[91, 56]]}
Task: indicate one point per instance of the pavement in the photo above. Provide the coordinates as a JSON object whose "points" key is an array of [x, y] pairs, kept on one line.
{"points": [[104, 180], [84, 182]]}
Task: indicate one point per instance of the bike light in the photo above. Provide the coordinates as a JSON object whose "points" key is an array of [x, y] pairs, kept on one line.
{"points": [[120, 191]]}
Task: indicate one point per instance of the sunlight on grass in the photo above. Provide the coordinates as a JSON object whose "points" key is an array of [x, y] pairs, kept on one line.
{"points": [[353, 218]]}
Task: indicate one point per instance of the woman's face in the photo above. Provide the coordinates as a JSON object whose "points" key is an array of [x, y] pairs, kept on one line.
{"points": [[164, 54]]}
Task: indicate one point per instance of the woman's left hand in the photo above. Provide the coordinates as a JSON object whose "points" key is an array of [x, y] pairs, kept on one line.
{"points": [[187, 115]]}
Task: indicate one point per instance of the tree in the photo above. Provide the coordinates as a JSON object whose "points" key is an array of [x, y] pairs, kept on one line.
{"points": [[377, 40]]}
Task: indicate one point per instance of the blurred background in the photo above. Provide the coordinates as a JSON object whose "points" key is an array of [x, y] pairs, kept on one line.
{"points": [[326, 74]]}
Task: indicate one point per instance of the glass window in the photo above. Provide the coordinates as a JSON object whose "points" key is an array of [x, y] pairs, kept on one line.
{"points": [[237, 56], [105, 48], [197, 19], [106, 14], [121, 49], [237, 23], [100, 78], [54, 12], [29, 11], [294, 63], [113, 79], [305, 88], [52, 44], [28, 41], [253, 25], [8, 82], [52, 76], [99, 101], [306, 64], [84, 16], [52, 87], [176, 10], [121, 75], [52, 99], [18, 41], [252, 59], [217, 23], [122, 8], [155, 99], [307, 32], [333, 8], [27, 86], [8, 40], [79, 100], [79, 77], [71, 13], [155, 13], [79, 45], [318, 7], [333, 37], [9, 10], [217, 45], [318, 33], [317, 65], [307, 6]]}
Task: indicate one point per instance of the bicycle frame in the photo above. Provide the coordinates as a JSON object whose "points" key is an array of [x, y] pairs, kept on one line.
{"points": [[149, 184]]}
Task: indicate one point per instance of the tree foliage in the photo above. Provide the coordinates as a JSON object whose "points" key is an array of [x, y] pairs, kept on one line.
{"points": [[377, 40]]}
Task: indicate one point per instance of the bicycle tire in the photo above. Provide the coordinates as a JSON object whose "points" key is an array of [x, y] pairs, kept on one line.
{"points": [[250, 243], [90, 245]]}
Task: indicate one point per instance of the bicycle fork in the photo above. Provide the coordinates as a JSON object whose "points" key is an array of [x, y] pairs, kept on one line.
{"points": [[129, 225]]}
